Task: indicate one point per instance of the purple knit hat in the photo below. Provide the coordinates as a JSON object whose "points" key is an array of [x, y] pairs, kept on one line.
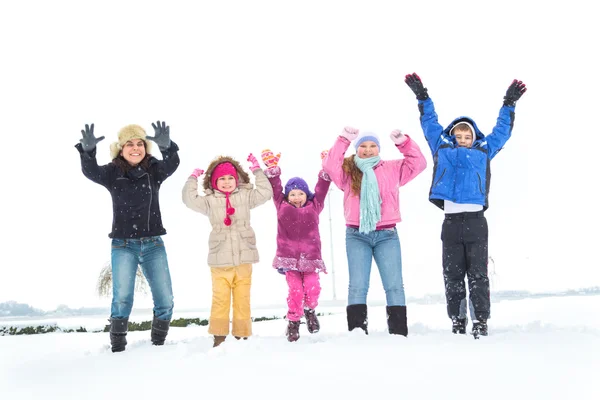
{"points": [[298, 183]]}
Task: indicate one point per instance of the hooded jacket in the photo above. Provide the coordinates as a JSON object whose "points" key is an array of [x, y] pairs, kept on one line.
{"points": [[232, 245], [391, 175], [136, 209], [462, 174], [298, 239]]}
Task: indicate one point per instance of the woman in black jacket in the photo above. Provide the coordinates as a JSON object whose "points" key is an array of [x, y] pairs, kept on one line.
{"points": [[133, 179]]}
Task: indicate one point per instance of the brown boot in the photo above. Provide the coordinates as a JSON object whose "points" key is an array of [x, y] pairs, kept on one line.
{"points": [[239, 337], [218, 340]]}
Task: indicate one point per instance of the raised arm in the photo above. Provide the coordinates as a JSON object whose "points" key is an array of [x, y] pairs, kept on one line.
{"points": [[332, 163], [263, 190], [414, 161], [429, 119], [168, 149], [321, 190], [273, 173], [87, 154], [190, 196], [504, 125]]}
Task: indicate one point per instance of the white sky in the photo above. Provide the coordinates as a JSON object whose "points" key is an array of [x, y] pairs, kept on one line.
{"points": [[537, 349], [233, 77]]}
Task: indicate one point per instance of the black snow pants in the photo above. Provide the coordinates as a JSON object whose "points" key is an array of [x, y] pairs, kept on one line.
{"points": [[465, 252]]}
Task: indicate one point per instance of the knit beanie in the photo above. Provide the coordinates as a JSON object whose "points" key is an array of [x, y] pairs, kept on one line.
{"points": [[220, 170], [366, 137], [467, 124], [298, 183], [126, 134]]}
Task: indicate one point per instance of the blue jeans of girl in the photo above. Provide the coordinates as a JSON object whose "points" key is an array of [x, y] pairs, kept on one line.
{"points": [[150, 254], [384, 246]]}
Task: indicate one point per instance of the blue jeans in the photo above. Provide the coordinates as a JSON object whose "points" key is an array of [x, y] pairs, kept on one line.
{"points": [[150, 254], [384, 246]]}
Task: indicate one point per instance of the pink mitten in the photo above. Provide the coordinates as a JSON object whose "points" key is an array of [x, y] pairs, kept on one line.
{"points": [[253, 162], [349, 133], [398, 137], [197, 173], [269, 159]]}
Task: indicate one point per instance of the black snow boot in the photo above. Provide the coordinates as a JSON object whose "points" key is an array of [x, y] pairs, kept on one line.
{"points": [[312, 322], [293, 331], [396, 319], [459, 325], [118, 333], [480, 328], [160, 328], [357, 317]]}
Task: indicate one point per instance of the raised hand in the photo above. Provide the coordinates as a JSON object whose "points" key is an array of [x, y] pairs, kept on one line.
{"points": [[324, 154], [253, 162], [161, 137], [414, 83], [269, 159], [88, 142], [514, 93], [398, 137], [349, 133], [197, 173]]}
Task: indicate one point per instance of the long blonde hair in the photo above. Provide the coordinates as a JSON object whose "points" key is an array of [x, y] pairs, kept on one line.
{"points": [[351, 170]]}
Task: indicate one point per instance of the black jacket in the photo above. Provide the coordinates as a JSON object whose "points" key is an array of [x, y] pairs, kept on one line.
{"points": [[136, 210]]}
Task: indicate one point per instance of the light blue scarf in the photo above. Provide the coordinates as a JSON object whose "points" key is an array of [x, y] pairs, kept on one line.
{"points": [[370, 198]]}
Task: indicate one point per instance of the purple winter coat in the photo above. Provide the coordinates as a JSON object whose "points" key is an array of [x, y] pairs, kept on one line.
{"points": [[298, 239]]}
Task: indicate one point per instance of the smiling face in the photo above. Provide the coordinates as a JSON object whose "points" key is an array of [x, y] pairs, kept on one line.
{"points": [[134, 151], [297, 198], [226, 183], [367, 149]]}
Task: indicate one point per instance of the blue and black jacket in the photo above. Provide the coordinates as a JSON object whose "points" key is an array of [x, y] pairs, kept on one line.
{"points": [[461, 174]]}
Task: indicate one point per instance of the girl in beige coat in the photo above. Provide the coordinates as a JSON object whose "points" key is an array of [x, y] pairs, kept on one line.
{"points": [[227, 202]]}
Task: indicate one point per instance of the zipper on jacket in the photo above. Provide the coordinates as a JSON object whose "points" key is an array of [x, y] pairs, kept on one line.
{"points": [[440, 178], [150, 204]]}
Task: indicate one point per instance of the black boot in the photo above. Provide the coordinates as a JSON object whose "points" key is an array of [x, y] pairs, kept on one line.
{"points": [[118, 333], [357, 317], [293, 331], [480, 328], [459, 325], [160, 328], [312, 322], [396, 319]]}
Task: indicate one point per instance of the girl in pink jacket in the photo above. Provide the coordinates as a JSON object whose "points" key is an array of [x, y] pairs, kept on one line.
{"points": [[298, 243], [372, 210]]}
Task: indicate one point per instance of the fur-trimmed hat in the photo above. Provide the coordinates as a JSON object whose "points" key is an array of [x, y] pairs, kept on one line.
{"points": [[126, 134], [366, 137], [298, 183]]}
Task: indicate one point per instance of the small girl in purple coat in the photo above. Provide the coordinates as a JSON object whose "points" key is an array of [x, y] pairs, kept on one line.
{"points": [[298, 243]]}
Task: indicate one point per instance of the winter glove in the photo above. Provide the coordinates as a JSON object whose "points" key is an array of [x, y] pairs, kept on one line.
{"points": [[281, 271], [197, 173], [398, 137], [349, 133], [514, 93], [162, 136], [269, 159], [253, 162], [324, 154], [414, 83], [88, 142]]}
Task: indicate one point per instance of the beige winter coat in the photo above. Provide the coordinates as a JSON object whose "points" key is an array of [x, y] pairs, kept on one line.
{"points": [[235, 244]]}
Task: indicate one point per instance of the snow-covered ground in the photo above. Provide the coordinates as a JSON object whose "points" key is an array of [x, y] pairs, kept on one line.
{"points": [[546, 348]]}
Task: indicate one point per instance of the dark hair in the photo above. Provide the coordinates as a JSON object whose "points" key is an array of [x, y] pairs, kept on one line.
{"points": [[124, 166]]}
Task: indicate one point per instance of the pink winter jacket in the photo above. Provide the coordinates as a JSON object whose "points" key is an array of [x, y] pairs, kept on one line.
{"points": [[390, 175]]}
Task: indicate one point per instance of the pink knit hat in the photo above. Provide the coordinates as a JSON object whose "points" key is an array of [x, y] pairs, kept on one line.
{"points": [[223, 169], [220, 170]]}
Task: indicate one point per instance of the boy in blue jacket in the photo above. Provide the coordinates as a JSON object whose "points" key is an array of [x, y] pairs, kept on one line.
{"points": [[460, 187]]}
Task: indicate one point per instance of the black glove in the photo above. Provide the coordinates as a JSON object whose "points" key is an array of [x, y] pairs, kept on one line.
{"points": [[162, 137], [88, 142], [514, 93], [414, 83]]}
